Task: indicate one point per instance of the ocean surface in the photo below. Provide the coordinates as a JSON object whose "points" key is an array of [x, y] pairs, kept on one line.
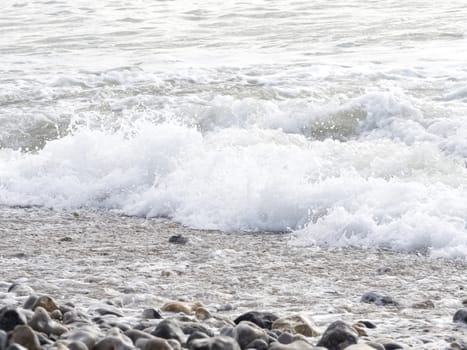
{"points": [[343, 123]]}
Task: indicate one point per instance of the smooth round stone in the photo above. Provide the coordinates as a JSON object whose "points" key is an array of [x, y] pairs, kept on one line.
{"points": [[153, 344], [191, 327], [77, 345], [460, 316], [151, 313], [135, 334], [25, 336], [338, 336], [42, 322], [215, 343], [30, 301], [87, 335], [261, 319], [169, 329], [296, 324], [196, 335], [379, 299], [202, 313], [113, 343], [174, 344], [258, 344], [10, 317], [368, 324], [46, 302], [246, 332]]}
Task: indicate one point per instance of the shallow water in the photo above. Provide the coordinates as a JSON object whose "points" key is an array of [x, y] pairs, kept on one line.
{"points": [[342, 122], [87, 257]]}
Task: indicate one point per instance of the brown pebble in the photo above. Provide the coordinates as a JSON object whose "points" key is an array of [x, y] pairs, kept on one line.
{"points": [[25, 336]]}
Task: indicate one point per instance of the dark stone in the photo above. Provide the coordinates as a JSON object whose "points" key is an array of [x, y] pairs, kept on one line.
{"points": [[392, 346], [378, 299], [108, 310], [460, 316], [77, 345], [368, 324], [30, 301], [11, 317], [246, 332], [169, 329], [135, 334], [191, 327], [215, 343], [152, 313], [338, 336], [261, 319], [258, 344], [178, 239], [196, 335]]}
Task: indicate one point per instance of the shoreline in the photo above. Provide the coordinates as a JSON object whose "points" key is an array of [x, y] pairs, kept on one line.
{"points": [[88, 257]]}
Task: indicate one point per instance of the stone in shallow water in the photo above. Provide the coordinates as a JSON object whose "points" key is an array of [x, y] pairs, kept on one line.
{"points": [[77, 345], [245, 332], [378, 299], [338, 336], [151, 313], [178, 239], [215, 343], [108, 310], [42, 322], [169, 329], [296, 324], [261, 319], [460, 316], [46, 302], [114, 340], [87, 335], [25, 336], [191, 327], [10, 317]]}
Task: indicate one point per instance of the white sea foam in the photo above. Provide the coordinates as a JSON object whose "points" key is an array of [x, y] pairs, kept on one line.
{"points": [[344, 123], [364, 193]]}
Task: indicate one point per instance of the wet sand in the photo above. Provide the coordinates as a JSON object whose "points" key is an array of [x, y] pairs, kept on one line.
{"points": [[85, 257]]}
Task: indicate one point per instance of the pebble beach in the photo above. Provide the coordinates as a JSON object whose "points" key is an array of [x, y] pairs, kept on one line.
{"points": [[97, 261]]}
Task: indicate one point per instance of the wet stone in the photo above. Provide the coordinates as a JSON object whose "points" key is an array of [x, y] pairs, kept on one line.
{"points": [[42, 322], [296, 324], [108, 310], [153, 344], [215, 343], [460, 316], [191, 327], [10, 318], [152, 313], [178, 239], [25, 336], [338, 336], [246, 332], [261, 319], [46, 302], [378, 299], [169, 329]]}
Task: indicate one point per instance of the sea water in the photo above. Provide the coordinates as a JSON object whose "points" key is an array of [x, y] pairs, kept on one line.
{"points": [[343, 122]]}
